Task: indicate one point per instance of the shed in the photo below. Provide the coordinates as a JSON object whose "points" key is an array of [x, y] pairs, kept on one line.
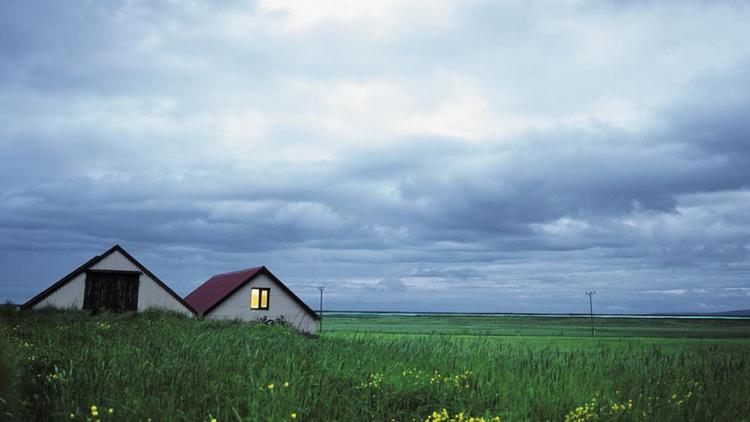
{"points": [[112, 281], [252, 294]]}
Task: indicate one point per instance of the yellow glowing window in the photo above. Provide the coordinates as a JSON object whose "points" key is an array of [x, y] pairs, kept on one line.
{"points": [[259, 298]]}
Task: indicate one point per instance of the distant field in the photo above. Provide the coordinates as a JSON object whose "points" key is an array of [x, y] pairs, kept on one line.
{"points": [[56, 365], [487, 325]]}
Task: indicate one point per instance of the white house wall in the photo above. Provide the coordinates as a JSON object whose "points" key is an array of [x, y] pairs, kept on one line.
{"points": [[237, 306], [68, 296], [150, 293]]}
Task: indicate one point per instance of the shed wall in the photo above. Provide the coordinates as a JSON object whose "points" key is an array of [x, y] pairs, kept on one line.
{"points": [[150, 293], [237, 306], [67, 296]]}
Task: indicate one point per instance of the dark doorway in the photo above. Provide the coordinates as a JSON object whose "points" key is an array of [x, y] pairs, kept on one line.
{"points": [[111, 290]]}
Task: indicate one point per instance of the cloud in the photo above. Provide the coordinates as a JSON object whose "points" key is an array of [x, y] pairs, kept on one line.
{"points": [[409, 155]]}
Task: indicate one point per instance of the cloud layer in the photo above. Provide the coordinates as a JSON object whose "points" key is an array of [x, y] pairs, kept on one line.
{"points": [[466, 156]]}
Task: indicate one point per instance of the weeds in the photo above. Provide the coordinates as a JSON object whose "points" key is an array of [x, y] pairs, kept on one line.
{"points": [[165, 367]]}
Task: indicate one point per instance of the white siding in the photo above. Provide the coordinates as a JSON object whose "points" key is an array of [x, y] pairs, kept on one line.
{"points": [[280, 304], [150, 293], [68, 296]]}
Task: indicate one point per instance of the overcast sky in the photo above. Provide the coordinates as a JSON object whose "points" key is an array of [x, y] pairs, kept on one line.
{"points": [[409, 155]]}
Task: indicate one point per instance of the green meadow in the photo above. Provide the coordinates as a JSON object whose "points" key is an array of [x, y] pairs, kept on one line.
{"points": [[68, 365]]}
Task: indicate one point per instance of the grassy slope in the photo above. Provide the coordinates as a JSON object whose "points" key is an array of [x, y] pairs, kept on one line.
{"points": [[169, 368]]}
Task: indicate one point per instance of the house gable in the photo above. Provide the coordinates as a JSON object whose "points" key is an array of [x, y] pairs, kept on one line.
{"points": [[227, 296], [281, 305], [68, 292], [220, 287]]}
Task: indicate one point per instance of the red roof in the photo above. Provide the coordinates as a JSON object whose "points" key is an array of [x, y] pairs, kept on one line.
{"points": [[219, 287], [213, 291]]}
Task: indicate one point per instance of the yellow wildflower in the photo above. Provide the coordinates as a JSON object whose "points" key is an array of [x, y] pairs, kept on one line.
{"points": [[110, 410], [294, 415], [270, 386], [286, 384]]}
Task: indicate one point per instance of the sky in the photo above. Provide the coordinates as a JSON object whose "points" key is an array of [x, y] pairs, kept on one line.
{"points": [[409, 155]]}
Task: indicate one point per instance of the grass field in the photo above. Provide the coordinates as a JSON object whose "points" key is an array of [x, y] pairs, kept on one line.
{"points": [[490, 325], [56, 365]]}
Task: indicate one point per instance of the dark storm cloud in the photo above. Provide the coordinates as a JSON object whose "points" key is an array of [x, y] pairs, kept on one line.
{"points": [[471, 157]]}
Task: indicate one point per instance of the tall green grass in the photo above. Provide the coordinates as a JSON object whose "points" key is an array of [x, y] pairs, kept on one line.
{"points": [[9, 370], [166, 367], [9, 380]]}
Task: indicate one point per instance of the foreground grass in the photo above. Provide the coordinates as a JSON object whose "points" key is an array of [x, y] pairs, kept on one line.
{"points": [[165, 367]]}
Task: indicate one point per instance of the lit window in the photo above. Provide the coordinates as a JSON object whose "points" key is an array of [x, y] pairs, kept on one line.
{"points": [[259, 298]]}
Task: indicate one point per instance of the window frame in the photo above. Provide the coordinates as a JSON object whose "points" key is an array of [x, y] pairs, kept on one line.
{"points": [[260, 298]]}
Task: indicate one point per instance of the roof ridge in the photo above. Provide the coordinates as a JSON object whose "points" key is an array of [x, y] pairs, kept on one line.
{"points": [[238, 271]]}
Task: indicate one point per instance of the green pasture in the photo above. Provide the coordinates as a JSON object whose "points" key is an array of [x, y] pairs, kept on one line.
{"points": [[491, 325], [56, 365]]}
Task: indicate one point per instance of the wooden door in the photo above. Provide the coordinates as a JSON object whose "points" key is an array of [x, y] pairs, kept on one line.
{"points": [[111, 290]]}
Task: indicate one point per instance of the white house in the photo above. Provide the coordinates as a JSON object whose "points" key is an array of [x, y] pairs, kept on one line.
{"points": [[250, 295], [112, 281]]}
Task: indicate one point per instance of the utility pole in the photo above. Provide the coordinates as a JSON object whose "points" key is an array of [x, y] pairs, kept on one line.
{"points": [[321, 288], [591, 307]]}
